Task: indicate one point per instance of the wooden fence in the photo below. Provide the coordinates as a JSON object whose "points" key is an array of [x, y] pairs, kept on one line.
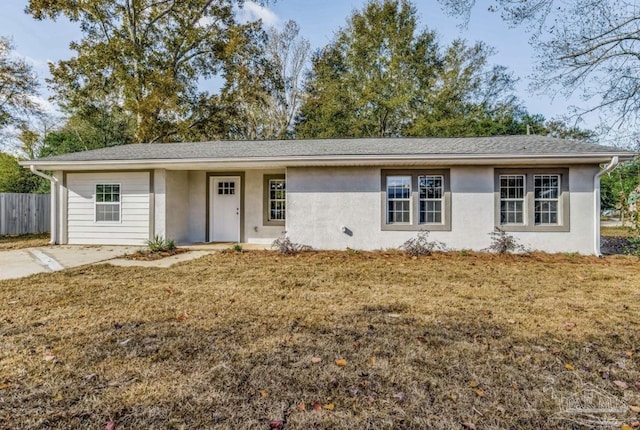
{"points": [[24, 213]]}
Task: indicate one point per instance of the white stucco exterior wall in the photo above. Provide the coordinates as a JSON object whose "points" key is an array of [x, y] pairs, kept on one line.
{"points": [[177, 206], [320, 201], [254, 229]]}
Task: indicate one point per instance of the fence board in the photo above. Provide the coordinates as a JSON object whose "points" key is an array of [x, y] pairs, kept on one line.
{"points": [[24, 213]]}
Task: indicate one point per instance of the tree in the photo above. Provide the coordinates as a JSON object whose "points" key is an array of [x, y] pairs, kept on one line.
{"points": [[145, 58], [383, 76], [16, 179], [266, 90], [18, 86], [585, 46]]}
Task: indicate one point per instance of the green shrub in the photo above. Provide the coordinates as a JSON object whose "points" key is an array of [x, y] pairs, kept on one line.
{"points": [[160, 244]]}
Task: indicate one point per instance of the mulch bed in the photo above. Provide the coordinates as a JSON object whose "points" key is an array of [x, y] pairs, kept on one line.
{"points": [[614, 245], [149, 255]]}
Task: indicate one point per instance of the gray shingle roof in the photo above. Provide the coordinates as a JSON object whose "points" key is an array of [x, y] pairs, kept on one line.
{"points": [[229, 150]]}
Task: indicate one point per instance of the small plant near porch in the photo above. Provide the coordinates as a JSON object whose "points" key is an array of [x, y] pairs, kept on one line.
{"points": [[503, 243], [157, 248], [284, 246], [421, 245]]}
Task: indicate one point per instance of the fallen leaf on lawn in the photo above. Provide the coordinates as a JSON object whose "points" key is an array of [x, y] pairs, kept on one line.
{"points": [[218, 342], [629, 354], [621, 384], [469, 425], [329, 406], [480, 392], [57, 397], [635, 409], [511, 321], [316, 406], [372, 361], [316, 360], [263, 394], [276, 424], [453, 397], [357, 344], [635, 424], [341, 362], [111, 425], [473, 384], [49, 357], [4, 386], [400, 396], [569, 366], [626, 427], [182, 317], [302, 407], [569, 326]]}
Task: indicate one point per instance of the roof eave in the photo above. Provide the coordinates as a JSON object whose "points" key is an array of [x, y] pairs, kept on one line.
{"points": [[332, 160]]}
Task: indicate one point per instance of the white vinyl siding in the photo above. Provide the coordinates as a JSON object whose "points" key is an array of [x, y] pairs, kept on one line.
{"points": [[133, 227]]}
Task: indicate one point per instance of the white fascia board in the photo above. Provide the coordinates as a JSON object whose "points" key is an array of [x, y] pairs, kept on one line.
{"points": [[346, 160]]}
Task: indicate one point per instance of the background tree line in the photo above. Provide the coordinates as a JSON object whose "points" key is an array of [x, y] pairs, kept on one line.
{"points": [[138, 70]]}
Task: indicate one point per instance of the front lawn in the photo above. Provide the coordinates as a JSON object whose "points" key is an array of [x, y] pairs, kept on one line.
{"points": [[24, 241], [344, 340]]}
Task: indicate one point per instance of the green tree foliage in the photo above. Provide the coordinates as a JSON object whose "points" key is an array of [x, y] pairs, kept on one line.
{"points": [[146, 58], [16, 179], [18, 84], [618, 185], [383, 76]]}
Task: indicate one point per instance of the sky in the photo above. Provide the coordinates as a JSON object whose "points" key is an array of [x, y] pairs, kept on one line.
{"points": [[40, 42]]}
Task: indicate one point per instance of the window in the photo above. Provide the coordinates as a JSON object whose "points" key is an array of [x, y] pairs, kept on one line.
{"points": [[275, 200], [398, 199], [532, 199], [226, 188], [107, 203], [431, 190], [546, 190], [416, 199], [512, 199]]}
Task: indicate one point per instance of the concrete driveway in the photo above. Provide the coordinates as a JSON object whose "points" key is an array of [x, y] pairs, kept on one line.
{"points": [[24, 262]]}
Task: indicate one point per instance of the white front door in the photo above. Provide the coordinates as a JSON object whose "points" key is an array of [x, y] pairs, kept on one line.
{"points": [[224, 210]]}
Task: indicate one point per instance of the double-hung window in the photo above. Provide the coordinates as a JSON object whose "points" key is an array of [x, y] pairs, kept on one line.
{"points": [[532, 199], [275, 200], [107, 203], [415, 200]]}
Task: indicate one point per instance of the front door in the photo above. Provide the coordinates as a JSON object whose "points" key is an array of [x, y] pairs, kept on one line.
{"points": [[224, 222]]}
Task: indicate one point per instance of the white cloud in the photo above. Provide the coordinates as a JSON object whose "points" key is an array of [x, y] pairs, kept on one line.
{"points": [[252, 11]]}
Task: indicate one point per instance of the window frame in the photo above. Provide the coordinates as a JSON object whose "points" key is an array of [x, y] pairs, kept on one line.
{"points": [[96, 203], [529, 224], [414, 201], [266, 200]]}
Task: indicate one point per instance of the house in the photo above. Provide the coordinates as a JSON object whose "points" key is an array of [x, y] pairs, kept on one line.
{"points": [[334, 193]]}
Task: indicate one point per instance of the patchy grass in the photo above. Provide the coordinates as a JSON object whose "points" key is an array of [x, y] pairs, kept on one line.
{"points": [[24, 241], [257, 340], [615, 232]]}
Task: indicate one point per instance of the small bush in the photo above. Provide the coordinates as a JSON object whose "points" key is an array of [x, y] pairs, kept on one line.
{"points": [[502, 243], [160, 244], [237, 247], [421, 245], [284, 246]]}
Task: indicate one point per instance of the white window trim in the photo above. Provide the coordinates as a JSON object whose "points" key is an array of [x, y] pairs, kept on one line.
{"points": [[400, 199], [270, 200], [427, 199], [557, 199], [96, 203]]}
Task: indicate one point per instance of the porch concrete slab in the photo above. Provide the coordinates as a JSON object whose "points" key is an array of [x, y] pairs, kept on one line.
{"points": [[220, 246], [163, 262]]}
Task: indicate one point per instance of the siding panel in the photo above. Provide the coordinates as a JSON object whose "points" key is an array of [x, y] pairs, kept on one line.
{"points": [[133, 228]]}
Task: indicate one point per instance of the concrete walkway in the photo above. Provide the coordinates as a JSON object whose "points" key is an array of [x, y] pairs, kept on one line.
{"points": [[24, 262]]}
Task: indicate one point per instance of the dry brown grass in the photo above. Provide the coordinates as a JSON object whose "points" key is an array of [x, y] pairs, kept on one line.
{"points": [[227, 341], [24, 241], [616, 232]]}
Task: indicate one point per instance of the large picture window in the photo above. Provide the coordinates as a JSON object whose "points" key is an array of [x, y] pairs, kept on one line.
{"points": [[532, 199], [107, 203], [416, 199], [275, 200]]}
